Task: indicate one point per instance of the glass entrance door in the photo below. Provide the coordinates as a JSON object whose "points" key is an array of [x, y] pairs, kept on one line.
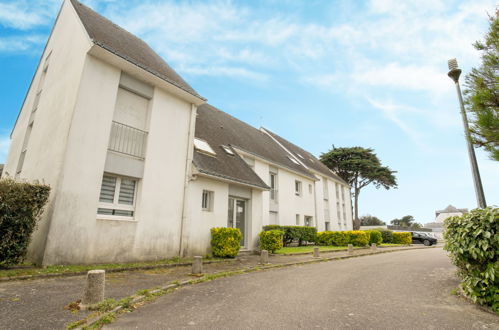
{"points": [[237, 216]]}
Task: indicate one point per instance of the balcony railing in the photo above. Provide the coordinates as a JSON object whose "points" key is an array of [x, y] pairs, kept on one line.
{"points": [[127, 140]]}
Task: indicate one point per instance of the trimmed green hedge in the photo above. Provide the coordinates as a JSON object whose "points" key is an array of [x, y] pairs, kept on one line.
{"points": [[386, 235], [375, 237], [21, 205], [295, 233], [402, 238], [225, 242], [271, 240], [473, 243], [343, 238]]}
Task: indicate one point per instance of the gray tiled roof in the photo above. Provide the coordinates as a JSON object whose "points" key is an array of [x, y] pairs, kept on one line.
{"points": [[122, 43], [451, 209], [307, 158], [219, 128]]}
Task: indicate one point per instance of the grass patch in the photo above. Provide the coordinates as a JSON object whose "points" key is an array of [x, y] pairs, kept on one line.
{"points": [[391, 244], [64, 269], [303, 249]]}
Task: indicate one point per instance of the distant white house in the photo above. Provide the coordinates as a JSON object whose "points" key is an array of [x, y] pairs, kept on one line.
{"points": [[449, 211], [140, 166]]}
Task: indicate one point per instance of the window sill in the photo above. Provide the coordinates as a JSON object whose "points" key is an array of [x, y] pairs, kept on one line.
{"points": [[115, 218]]}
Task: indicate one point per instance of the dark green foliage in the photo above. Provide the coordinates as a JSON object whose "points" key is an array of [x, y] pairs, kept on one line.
{"points": [[402, 238], [375, 237], [482, 93], [359, 167], [225, 242], [21, 205], [369, 220], [387, 236], [300, 234], [407, 221], [271, 240], [473, 243]]}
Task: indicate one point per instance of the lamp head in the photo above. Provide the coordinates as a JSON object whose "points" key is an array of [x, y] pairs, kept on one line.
{"points": [[454, 71]]}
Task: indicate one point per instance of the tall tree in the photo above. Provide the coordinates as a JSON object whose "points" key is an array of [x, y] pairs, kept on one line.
{"points": [[482, 92], [359, 167], [406, 221]]}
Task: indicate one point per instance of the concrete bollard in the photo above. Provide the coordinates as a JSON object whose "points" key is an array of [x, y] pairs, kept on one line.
{"points": [[316, 252], [95, 287], [264, 257], [350, 249], [373, 247], [197, 265]]}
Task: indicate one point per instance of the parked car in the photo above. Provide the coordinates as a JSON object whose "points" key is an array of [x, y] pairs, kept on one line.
{"points": [[423, 238]]}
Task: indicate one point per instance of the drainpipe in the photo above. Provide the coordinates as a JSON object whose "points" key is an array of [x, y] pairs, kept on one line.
{"points": [[188, 170]]}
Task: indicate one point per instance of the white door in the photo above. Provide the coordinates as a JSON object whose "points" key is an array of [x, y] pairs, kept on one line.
{"points": [[237, 216]]}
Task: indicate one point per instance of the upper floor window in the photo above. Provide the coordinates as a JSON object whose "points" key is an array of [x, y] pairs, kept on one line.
{"points": [[297, 188], [117, 196], [203, 146], [207, 200], [337, 186], [273, 186], [325, 189], [293, 160], [297, 219]]}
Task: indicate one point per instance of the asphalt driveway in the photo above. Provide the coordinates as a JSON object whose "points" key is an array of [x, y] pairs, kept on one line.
{"points": [[407, 290]]}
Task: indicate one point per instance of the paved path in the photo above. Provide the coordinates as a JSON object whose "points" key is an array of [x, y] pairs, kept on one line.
{"points": [[406, 290]]}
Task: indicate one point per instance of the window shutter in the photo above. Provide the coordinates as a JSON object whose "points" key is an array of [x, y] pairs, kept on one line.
{"points": [[107, 189], [127, 191]]}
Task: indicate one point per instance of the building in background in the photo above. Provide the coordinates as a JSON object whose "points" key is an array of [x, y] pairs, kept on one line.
{"points": [[438, 225]]}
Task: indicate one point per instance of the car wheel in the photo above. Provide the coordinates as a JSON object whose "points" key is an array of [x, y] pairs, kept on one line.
{"points": [[426, 242]]}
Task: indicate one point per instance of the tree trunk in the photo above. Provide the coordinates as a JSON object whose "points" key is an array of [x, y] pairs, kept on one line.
{"points": [[356, 222]]}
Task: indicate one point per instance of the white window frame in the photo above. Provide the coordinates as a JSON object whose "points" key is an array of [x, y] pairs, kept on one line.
{"points": [[298, 221], [273, 189], [203, 146], [210, 197], [298, 188], [115, 205]]}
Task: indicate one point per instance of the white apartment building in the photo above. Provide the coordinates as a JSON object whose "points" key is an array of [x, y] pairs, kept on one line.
{"points": [[140, 166]]}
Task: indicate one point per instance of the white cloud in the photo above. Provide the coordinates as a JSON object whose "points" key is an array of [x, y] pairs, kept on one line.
{"points": [[22, 15], [20, 43], [4, 148], [233, 72]]}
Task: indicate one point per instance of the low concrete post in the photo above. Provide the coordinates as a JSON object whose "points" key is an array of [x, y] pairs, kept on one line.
{"points": [[373, 247], [316, 252], [95, 287], [350, 249], [264, 257], [197, 265]]}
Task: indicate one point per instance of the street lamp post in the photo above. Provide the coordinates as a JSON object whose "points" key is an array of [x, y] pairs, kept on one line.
{"points": [[454, 73]]}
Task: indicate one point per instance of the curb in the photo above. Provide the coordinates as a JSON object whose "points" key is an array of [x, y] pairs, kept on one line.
{"points": [[139, 298], [114, 270], [344, 250]]}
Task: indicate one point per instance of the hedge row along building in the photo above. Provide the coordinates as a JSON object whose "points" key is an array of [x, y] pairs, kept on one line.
{"points": [[140, 166]]}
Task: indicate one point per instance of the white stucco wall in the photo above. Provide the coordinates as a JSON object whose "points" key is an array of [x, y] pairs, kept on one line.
{"points": [[67, 46], [155, 231]]}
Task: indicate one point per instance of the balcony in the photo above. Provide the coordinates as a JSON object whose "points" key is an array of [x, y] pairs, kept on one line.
{"points": [[127, 140]]}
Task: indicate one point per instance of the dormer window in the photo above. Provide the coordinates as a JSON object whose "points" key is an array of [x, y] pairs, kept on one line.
{"points": [[203, 146], [300, 156], [293, 160], [228, 150]]}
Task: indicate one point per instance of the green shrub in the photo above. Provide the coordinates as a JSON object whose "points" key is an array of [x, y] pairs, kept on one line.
{"points": [[402, 238], [387, 236], [374, 237], [473, 243], [358, 238], [271, 240], [336, 238], [225, 242], [295, 233], [21, 205]]}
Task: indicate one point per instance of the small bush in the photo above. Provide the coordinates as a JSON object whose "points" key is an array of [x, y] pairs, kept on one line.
{"points": [[358, 238], [295, 233], [271, 240], [375, 237], [333, 238], [473, 243], [225, 242], [402, 238], [387, 236], [21, 205]]}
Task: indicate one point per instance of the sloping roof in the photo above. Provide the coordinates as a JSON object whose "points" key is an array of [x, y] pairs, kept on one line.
{"points": [[305, 157], [1, 169], [122, 43], [219, 128], [451, 209]]}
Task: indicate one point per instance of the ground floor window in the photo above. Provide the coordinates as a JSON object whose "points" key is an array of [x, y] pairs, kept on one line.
{"points": [[297, 219], [326, 226], [117, 196], [207, 200], [309, 221]]}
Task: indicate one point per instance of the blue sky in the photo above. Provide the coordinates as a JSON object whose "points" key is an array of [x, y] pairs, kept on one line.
{"points": [[318, 73]]}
